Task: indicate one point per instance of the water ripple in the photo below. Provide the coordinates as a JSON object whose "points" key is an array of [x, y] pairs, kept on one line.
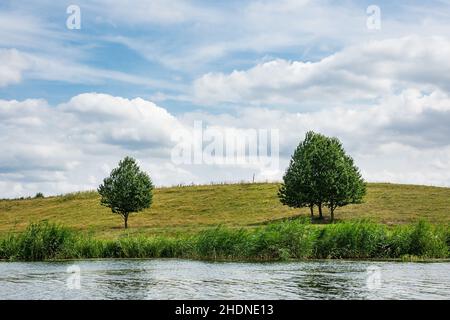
{"points": [[185, 279]]}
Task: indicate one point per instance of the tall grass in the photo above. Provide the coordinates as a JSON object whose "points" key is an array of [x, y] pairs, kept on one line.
{"points": [[421, 239], [40, 241], [283, 240], [352, 240], [275, 241]]}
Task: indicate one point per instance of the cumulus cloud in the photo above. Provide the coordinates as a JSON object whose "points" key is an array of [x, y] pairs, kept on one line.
{"points": [[48, 147], [135, 124], [361, 72], [73, 145], [401, 138]]}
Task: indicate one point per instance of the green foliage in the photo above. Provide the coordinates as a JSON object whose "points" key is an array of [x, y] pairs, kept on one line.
{"points": [[298, 188], [127, 189], [281, 241], [222, 243], [447, 236], [352, 240], [40, 241], [39, 195], [275, 241], [321, 173], [87, 248], [421, 239], [9, 248]]}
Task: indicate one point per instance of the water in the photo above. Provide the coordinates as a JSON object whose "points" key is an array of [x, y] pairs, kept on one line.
{"points": [[185, 279]]}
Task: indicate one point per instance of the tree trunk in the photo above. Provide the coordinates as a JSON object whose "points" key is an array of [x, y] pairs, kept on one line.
{"points": [[320, 211], [332, 214], [125, 219], [311, 208]]}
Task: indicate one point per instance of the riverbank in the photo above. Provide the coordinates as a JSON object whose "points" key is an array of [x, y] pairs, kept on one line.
{"points": [[297, 239]]}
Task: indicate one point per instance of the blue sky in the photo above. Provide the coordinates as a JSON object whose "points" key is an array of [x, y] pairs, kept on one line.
{"points": [[290, 65], [172, 46], [167, 47]]}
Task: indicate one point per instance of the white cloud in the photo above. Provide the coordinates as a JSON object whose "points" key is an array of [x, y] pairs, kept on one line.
{"points": [[135, 124], [217, 33], [402, 138], [11, 67], [60, 148], [385, 95], [361, 72], [287, 27], [72, 146]]}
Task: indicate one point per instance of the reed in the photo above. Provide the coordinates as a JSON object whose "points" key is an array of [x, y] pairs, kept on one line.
{"points": [[40, 241], [296, 239]]}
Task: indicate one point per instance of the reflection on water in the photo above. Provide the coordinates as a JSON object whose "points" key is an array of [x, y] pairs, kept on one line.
{"points": [[184, 279]]}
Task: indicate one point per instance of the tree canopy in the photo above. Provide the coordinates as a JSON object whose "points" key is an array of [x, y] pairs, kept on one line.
{"points": [[127, 189], [321, 174]]}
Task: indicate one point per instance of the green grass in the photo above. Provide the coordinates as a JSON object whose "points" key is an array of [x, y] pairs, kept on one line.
{"points": [[189, 210], [297, 239]]}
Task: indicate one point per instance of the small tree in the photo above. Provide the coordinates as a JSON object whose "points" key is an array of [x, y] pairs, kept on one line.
{"points": [[127, 189], [320, 173]]}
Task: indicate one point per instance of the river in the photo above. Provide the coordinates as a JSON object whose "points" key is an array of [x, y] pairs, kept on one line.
{"points": [[186, 279]]}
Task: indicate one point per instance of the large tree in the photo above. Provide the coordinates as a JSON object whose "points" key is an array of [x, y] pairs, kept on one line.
{"points": [[127, 189], [321, 174]]}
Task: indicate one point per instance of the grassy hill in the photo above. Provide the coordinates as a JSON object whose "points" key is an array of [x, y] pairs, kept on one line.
{"points": [[181, 210]]}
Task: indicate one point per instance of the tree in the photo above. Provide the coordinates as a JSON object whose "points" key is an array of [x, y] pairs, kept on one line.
{"points": [[321, 173], [127, 189]]}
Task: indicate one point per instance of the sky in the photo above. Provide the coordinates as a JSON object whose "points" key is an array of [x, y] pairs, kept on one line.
{"points": [[143, 78]]}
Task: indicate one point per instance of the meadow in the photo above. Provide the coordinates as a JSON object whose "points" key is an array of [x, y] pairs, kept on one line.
{"points": [[187, 210]]}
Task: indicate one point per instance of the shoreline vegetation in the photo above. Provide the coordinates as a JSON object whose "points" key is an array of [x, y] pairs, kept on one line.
{"points": [[279, 241], [230, 222]]}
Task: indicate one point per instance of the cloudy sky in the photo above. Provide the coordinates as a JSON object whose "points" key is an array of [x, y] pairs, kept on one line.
{"points": [[73, 102]]}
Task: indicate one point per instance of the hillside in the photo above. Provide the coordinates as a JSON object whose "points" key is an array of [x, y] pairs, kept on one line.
{"points": [[193, 208]]}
